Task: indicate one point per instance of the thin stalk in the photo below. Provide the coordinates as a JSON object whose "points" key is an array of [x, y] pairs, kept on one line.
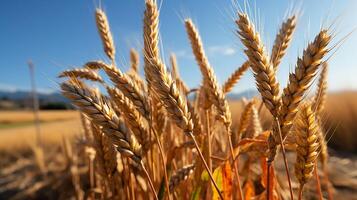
{"points": [[149, 180], [285, 160], [163, 161], [318, 184], [329, 190], [268, 179], [209, 140], [260, 107], [300, 191], [240, 193], [205, 164], [91, 176]]}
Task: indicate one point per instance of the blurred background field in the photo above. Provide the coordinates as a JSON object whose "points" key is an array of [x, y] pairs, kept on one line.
{"points": [[17, 129]]}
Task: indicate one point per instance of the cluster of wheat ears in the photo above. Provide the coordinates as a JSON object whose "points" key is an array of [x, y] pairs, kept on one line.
{"points": [[145, 134]]}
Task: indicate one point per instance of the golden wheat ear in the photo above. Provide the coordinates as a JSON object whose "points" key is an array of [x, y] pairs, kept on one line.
{"points": [[319, 100], [105, 34], [176, 75], [134, 60], [131, 116], [235, 77], [181, 175], [264, 72], [101, 113], [300, 81], [282, 41], [307, 145], [122, 81], [210, 83], [81, 73]]}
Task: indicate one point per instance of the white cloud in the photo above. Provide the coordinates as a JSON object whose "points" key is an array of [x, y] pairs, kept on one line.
{"points": [[225, 50]]}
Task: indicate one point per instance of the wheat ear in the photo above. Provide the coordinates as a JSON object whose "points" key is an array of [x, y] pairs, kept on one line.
{"points": [[301, 79], [181, 175], [100, 112], [235, 77], [210, 84], [105, 152], [244, 119], [255, 127], [176, 75], [169, 95], [323, 150], [209, 79], [105, 34], [282, 41], [321, 94], [151, 31], [134, 60], [81, 73], [124, 83], [264, 72], [307, 145], [131, 116]]}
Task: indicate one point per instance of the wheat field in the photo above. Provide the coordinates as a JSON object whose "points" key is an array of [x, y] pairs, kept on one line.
{"points": [[151, 136]]}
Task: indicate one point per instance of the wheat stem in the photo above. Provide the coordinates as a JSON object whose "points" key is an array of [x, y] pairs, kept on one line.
{"points": [[285, 160], [318, 184], [205, 165], [149, 180]]}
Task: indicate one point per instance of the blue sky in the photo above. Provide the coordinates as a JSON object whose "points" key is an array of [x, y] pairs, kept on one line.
{"points": [[57, 35]]}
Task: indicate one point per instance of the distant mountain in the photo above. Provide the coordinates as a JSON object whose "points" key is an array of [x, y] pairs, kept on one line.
{"points": [[246, 94], [21, 95], [23, 99]]}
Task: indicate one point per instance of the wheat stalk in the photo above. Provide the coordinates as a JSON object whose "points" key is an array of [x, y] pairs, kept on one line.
{"points": [[282, 41], [105, 34], [264, 72], [235, 77]]}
